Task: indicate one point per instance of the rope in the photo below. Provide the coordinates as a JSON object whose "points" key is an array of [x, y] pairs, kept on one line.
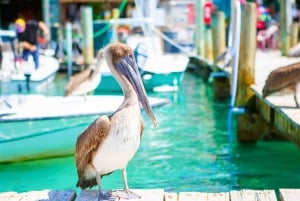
{"points": [[174, 43], [107, 27]]}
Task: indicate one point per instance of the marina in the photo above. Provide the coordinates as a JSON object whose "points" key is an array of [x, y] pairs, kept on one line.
{"points": [[217, 167], [25, 123]]}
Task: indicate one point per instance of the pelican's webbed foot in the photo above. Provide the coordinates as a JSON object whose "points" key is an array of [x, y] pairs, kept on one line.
{"points": [[102, 195]]}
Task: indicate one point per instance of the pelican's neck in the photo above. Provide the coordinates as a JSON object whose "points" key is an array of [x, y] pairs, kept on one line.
{"points": [[130, 96]]}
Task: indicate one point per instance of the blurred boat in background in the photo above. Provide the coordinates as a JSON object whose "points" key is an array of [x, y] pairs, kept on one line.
{"points": [[19, 76], [160, 71], [38, 126]]}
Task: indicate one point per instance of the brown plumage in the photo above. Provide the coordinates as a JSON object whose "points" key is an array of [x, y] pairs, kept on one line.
{"points": [[282, 78], [111, 141], [85, 81]]}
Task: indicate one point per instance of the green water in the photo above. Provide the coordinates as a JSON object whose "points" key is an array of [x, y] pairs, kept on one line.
{"points": [[188, 151]]}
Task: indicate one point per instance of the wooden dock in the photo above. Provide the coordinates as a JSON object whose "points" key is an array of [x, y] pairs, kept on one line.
{"points": [[271, 117], [278, 110], [156, 195]]}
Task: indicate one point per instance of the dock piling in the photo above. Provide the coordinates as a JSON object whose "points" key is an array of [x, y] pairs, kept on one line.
{"points": [[88, 34]]}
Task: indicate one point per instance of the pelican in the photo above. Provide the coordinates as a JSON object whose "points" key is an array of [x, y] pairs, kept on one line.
{"points": [[286, 77], [86, 81], [110, 142]]}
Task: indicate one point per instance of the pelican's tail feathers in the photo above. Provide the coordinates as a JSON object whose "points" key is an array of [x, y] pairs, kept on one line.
{"points": [[86, 183]]}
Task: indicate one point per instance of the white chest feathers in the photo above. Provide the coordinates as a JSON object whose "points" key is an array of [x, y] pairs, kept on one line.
{"points": [[121, 142]]}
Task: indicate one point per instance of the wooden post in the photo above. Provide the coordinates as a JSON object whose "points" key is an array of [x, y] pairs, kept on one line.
{"points": [[221, 83], [246, 72], [68, 35], [208, 44], [218, 34], [294, 34], [284, 26], [46, 15], [88, 34], [199, 39]]}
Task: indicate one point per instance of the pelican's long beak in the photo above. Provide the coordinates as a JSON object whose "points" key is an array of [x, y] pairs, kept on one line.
{"points": [[128, 68]]}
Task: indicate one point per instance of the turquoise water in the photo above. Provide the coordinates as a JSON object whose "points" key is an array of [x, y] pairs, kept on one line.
{"points": [[188, 151]]}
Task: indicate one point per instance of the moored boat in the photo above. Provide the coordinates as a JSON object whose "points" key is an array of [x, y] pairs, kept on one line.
{"points": [[19, 76], [38, 126], [159, 70]]}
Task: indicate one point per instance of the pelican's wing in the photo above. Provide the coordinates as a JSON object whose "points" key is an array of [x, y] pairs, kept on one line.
{"points": [[87, 144], [76, 80]]}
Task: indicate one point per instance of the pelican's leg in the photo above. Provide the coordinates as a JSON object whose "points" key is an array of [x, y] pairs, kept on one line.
{"points": [[296, 90], [130, 194], [101, 194], [296, 100], [126, 193]]}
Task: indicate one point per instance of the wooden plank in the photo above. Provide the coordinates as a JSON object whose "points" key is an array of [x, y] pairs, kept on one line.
{"points": [[264, 110], [223, 196], [192, 196], [252, 195], [282, 113], [289, 194], [145, 195], [170, 196], [50, 195], [9, 196]]}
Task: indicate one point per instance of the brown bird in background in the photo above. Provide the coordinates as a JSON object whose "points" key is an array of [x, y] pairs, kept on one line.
{"points": [[87, 80], [110, 142], [286, 77]]}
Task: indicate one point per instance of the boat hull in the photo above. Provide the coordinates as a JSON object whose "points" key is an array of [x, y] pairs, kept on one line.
{"points": [[21, 86], [152, 82], [22, 77], [42, 142], [37, 126]]}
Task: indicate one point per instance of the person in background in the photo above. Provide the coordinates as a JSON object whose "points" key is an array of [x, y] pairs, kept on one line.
{"points": [[28, 33]]}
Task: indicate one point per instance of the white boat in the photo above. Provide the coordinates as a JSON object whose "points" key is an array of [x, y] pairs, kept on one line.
{"points": [[37, 126], [19, 76], [159, 71]]}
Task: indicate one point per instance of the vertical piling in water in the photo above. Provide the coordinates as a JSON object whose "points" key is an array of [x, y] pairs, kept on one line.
{"points": [[46, 15], [208, 44], [218, 27], [246, 71], [199, 40], [68, 35], [218, 34], [285, 18], [294, 34], [88, 34]]}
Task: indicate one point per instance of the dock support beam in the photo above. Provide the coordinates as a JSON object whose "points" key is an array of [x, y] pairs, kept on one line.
{"points": [[88, 34], [218, 29], [199, 39], [294, 34], [285, 23], [246, 73], [250, 126]]}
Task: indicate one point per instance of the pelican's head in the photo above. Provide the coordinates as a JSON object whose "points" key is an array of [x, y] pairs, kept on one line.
{"points": [[99, 60], [122, 64]]}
